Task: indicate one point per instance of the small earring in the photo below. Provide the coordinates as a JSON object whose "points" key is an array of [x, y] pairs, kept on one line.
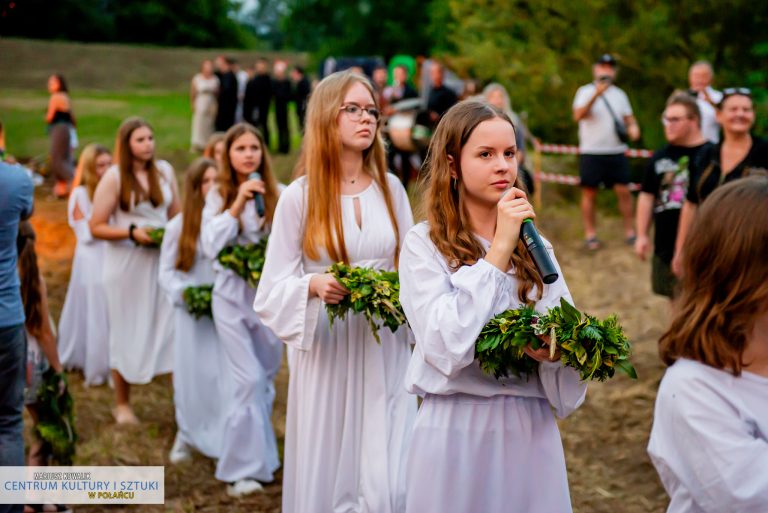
{"points": [[455, 183]]}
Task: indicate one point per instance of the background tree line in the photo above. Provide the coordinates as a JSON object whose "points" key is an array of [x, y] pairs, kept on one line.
{"points": [[540, 49]]}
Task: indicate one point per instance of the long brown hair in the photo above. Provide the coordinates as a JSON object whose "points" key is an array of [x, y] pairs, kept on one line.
{"points": [[725, 281], [320, 161], [443, 206], [227, 178], [131, 193], [192, 212], [210, 145], [86, 168], [29, 275]]}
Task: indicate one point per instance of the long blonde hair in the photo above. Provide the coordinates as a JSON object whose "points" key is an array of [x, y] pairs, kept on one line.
{"points": [[227, 177], [85, 173], [444, 208], [192, 212], [320, 161], [129, 185]]}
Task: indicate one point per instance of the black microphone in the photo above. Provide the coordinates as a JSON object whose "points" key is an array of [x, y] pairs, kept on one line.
{"points": [[532, 240], [258, 198]]}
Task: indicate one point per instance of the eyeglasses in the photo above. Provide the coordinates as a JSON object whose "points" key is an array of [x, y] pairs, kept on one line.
{"points": [[355, 112], [668, 120]]}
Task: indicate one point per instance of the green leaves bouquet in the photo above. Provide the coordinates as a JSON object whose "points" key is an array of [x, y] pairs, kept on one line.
{"points": [[56, 410], [198, 300], [247, 261], [375, 294], [596, 348], [156, 234]]}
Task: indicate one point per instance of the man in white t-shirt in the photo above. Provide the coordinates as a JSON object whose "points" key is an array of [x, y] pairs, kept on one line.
{"points": [[699, 82], [602, 110]]}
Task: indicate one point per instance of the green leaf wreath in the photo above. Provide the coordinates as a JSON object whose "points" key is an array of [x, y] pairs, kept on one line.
{"points": [[375, 294], [198, 300], [594, 347], [56, 422], [247, 261]]}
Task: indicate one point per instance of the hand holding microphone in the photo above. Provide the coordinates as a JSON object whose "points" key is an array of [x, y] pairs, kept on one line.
{"points": [[515, 221], [257, 197]]}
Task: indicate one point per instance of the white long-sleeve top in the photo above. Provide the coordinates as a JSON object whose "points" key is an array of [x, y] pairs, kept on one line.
{"points": [[709, 441], [172, 280], [447, 310], [79, 198], [283, 301], [220, 229]]}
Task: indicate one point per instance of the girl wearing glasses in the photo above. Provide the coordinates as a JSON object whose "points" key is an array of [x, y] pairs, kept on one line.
{"points": [[349, 416], [738, 155]]}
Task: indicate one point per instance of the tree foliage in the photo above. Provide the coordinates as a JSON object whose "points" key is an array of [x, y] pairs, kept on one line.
{"points": [[542, 50], [200, 23], [359, 27]]}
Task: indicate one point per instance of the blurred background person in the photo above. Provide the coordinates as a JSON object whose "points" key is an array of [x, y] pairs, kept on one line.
{"points": [[225, 116], [665, 184], [301, 90], [281, 87], [258, 97], [700, 77], [606, 125], [242, 81], [441, 98], [62, 135], [204, 93], [738, 155]]}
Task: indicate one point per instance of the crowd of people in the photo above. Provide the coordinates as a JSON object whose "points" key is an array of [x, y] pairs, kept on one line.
{"points": [[356, 438], [223, 94]]}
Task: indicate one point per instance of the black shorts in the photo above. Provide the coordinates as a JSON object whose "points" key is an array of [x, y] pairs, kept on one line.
{"points": [[606, 169]]}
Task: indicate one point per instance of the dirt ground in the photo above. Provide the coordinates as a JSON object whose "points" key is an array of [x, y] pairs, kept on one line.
{"points": [[604, 440]]}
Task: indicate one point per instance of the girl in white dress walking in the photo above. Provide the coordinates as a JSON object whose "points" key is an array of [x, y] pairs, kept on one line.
{"points": [[709, 441], [479, 444], [201, 383], [135, 195], [252, 352], [349, 418], [84, 323]]}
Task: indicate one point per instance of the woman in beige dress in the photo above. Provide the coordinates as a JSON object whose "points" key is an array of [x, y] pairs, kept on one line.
{"points": [[203, 94]]}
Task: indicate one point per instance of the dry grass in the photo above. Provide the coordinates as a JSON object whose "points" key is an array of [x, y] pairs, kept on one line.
{"points": [[604, 440]]}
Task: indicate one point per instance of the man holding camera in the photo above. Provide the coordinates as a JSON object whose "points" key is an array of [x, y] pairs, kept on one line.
{"points": [[606, 124]]}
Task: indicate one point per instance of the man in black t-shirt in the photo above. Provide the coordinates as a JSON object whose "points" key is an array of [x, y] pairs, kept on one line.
{"points": [[665, 186]]}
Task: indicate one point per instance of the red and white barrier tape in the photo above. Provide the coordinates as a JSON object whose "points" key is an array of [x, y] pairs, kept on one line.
{"points": [[572, 180], [565, 149]]}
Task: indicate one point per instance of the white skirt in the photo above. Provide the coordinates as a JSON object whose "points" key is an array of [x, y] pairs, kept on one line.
{"points": [[495, 454], [140, 314], [202, 387], [84, 324], [349, 421]]}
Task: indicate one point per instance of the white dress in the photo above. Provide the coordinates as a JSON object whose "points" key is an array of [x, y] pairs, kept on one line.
{"points": [[479, 444], [84, 322], [252, 352], [205, 107], [140, 315], [349, 417], [202, 386], [709, 441]]}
